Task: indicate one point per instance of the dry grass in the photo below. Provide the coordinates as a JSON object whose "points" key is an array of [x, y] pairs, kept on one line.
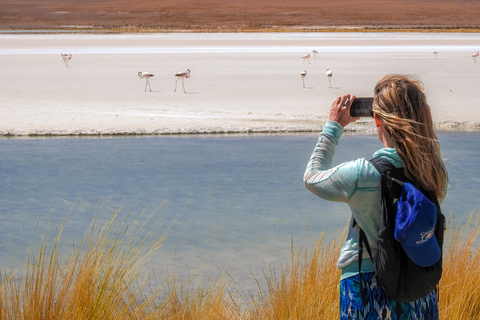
{"points": [[307, 289], [212, 302], [101, 279], [98, 280], [460, 284]]}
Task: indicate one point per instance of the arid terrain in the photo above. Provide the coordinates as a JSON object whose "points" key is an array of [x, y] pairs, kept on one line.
{"points": [[238, 15]]}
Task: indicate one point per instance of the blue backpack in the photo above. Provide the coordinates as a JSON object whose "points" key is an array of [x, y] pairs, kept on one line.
{"points": [[408, 260]]}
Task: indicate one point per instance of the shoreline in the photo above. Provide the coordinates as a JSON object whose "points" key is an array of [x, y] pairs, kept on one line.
{"points": [[354, 128], [279, 29]]}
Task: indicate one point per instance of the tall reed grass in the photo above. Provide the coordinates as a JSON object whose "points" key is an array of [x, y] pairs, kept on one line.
{"points": [[306, 289], [104, 277], [99, 279], [459, 289]]}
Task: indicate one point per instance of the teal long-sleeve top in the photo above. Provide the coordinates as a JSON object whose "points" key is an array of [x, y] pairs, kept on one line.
{"points": [[356, 183]]}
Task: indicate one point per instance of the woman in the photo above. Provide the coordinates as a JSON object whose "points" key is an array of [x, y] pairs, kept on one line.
{"points": [[405, 127]]}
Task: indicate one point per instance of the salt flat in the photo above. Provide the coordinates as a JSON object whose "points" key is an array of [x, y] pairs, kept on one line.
{"points": [[240, 82]]}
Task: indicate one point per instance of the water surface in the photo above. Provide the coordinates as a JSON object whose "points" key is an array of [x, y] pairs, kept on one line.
{"points": [[235, 202]]}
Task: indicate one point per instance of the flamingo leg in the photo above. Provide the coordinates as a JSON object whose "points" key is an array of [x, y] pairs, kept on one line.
{"points": [[176, 86], [148, 85], [303, 80], [183, 86], [329, 83]]}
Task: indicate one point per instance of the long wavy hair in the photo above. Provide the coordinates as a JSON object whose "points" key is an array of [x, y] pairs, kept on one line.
{"points": [[401, 105]]}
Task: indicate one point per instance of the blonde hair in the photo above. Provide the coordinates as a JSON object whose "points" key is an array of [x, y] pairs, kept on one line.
{"points": [[402, 108]]}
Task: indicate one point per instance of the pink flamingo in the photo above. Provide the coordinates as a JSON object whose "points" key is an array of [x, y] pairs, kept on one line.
{"points": [[66, 57], [303, 74], [305, 57], [435, 53], [329, 74], [315, 53], [182, 75], [146, 75], [475, 56]]}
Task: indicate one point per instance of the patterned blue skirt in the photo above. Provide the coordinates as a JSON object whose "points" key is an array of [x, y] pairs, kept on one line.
{"points": [[375, 304]]}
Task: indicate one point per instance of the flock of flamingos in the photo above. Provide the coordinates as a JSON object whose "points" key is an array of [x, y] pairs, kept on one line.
{"points": [[143, 75], [329, 73], [186, 74], [179, 75], [303, 74]]}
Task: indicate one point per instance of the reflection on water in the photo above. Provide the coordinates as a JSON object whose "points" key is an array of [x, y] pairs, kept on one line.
{"points": [[235, 201]]}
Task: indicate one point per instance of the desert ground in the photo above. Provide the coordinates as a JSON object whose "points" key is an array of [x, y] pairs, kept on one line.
{"points": [[237, 15]]}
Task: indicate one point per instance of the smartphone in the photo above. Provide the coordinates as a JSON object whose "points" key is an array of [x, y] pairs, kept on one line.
{"points": [[362, 107]]}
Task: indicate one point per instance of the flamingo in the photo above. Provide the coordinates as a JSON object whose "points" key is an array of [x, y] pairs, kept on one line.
{"points": [[305, 57], [435, 54], [329, 75], [315, 53], [183, 75], [145, 75], [303, 74], [475, 56], [66, 57]]}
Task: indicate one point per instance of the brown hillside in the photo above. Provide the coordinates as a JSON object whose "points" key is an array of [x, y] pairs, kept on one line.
{"points": [[227, 14]]}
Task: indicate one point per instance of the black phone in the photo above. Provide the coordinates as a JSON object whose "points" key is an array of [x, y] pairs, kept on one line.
{"points": [[362, 107]]}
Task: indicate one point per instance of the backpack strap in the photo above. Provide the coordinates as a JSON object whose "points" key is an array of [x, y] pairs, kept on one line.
{"points": [[397, 175], [388, 170], [363, 240], [385, 168]]}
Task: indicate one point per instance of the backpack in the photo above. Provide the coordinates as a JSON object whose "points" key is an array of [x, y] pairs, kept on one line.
{"points": [[401, 278]]}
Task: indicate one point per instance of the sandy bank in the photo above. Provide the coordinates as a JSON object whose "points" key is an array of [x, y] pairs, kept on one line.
{"points": [[239, 82]]}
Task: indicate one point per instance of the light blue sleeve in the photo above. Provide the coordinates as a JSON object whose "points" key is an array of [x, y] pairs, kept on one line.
{"points": [[355, 182], [330, 183]]}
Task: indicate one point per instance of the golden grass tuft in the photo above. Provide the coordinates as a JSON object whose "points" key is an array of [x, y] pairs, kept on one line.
{"points": [[307, 289], [203, 303], [459, 289], [104, 278], [98, 280]]}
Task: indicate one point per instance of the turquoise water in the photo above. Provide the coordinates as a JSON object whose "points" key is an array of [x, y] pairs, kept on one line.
{"points": [[233, 202]]}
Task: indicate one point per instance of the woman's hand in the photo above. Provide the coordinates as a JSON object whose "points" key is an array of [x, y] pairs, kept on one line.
{"points": [[340, 110]]}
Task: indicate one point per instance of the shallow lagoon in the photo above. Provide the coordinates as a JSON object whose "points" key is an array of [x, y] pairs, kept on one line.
{"points": [[233, 202]]}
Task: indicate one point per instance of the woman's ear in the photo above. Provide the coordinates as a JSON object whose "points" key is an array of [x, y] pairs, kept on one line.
{"points": [[377, 120]]}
